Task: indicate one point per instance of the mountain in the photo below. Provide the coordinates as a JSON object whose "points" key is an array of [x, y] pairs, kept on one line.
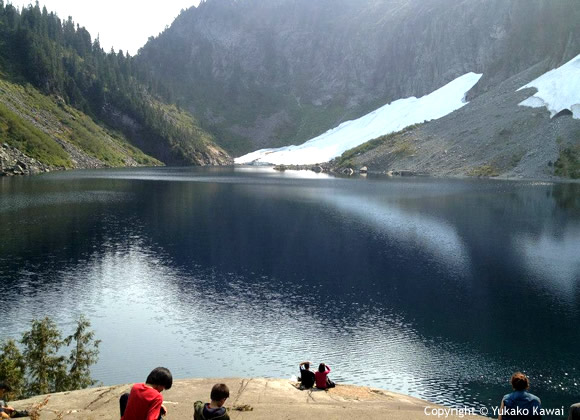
{"points": [[262, 74], [65, 103], [517, 129], [390, 118], [514, 142]]}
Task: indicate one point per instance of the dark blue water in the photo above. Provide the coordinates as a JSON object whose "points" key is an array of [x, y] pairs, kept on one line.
{"points": [[436, 288]]}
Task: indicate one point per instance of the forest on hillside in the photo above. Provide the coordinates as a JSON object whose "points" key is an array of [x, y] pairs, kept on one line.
{"points": [[60, 58]]}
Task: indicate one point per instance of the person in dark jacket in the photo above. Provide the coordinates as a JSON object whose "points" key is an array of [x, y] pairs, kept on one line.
{"points": [[215, 408], [574, 412], [307, 377], [520, 403]]}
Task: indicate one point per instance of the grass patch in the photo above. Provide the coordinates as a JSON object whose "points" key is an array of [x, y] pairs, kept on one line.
{"points": [[516, 158], [568, 164], [30, 121], [484, 170], [22, 134], [404, 148]]}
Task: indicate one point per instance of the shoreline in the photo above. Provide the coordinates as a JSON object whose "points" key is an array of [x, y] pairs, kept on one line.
{"points": [[325, 169], [250, 398]]}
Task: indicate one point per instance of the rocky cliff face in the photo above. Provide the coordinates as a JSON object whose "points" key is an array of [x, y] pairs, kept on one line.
{"points": [[281, 71]]}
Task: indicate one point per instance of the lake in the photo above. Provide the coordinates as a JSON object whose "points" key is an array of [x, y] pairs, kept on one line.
{"points": [[437, 288]]}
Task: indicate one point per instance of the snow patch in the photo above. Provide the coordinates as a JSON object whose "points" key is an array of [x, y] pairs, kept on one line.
{"points": [[558, 89], [388, 119]]}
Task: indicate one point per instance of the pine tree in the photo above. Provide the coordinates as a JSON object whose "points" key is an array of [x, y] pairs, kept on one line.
{"points": [[46, 369], [12, 367], [83, 355]]}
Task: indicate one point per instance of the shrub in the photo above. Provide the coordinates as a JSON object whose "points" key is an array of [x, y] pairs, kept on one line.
{"points": [[40, 368]]}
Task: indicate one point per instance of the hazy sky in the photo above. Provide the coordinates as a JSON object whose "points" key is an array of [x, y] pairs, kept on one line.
{"points": [[123, 24]]}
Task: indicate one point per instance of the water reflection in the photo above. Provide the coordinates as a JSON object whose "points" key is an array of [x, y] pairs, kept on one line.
{"points": [[553, 262], [407, 284]]}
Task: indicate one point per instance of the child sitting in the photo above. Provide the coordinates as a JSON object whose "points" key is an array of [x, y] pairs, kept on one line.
{"points": [[214, 409], [145, 401]]}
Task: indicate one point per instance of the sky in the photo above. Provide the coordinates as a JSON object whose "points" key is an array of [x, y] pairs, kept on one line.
{"points": [[123, 24]]}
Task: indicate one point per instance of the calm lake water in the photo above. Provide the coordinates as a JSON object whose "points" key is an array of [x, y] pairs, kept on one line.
{"points": [[436, 288]]}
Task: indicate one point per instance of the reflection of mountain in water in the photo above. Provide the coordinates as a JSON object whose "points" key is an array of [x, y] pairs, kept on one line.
{"points": [[405, 279]]}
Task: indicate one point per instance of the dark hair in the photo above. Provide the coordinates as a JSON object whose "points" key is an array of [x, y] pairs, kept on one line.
{"points": [[306, 366], [219, 392], [520, 382], [5, 387], [322, 367], [160, 376]]}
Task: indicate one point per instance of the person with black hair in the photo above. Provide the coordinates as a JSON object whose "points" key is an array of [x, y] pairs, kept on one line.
{"points": [[322, 379], [145, 401], [214, 410], [306, 377]]}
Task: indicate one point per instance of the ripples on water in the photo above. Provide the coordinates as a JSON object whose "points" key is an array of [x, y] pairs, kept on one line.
{"points": [[226, 275]]}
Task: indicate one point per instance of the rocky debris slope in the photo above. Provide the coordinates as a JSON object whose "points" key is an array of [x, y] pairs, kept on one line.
{"points": [[14, 162], [257, 399], [491, 136]]}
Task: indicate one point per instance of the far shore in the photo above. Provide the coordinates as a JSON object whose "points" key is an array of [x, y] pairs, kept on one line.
{"points": [[254, 398], [326, 169], [323, 168]]}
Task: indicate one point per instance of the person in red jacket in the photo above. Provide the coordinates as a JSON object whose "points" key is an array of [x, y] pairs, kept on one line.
{"points": [[322, 379], [145, 401]]}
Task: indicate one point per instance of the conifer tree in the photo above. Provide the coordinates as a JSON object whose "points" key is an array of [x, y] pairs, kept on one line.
{"points": [[83, 355], [40, 368], [46, 369], [12, 367]]}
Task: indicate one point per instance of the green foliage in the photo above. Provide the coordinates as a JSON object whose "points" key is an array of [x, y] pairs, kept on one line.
{"points": [[12, 367], [401, 147], [41, 368], [404, 148], [484, 171], [59, 58], [516, 158], [83, 355], [568, 164], [46, 369], [20, 133], [32, 121], [348, 163]]}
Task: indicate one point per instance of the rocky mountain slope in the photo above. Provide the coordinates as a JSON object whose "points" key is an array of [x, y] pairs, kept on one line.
{"points": [[266, 74], [492, 136], [66, 103], [39, 134]]}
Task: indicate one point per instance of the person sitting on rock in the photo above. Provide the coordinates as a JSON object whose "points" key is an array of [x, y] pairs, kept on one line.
{"points": [[322, 379], [519, 403], [214, 409], [145, 401], [574, 412], [307, 377], [7, 412]]}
